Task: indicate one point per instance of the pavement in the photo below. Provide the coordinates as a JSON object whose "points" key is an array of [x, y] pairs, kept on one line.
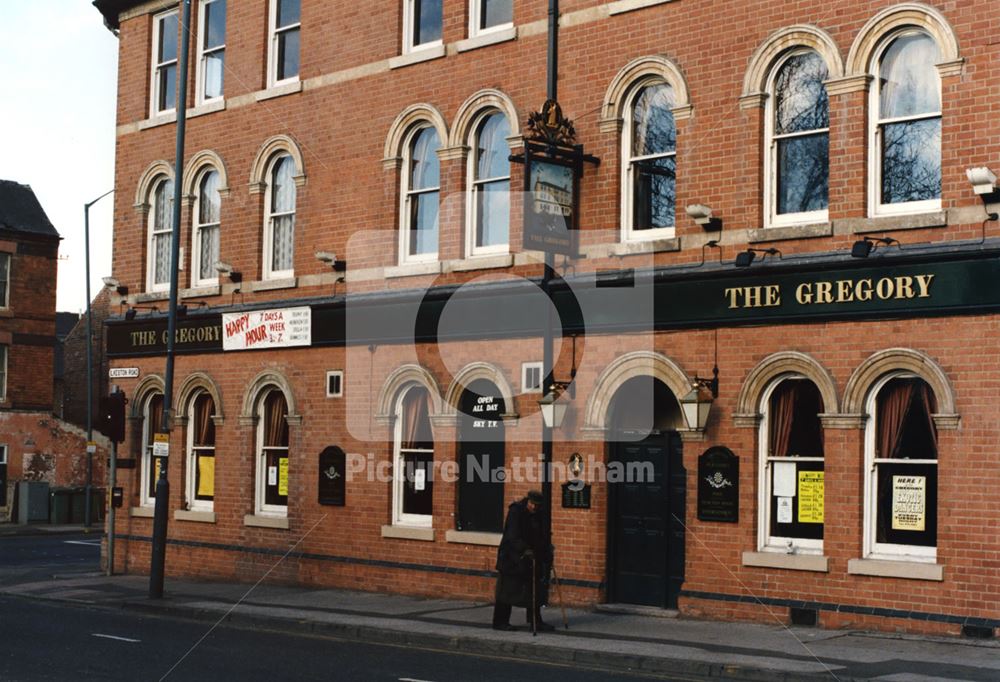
{"points": [[673, 647], [31, 529]]}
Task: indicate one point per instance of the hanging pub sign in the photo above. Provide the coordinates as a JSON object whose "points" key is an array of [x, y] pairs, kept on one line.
{"points": [[719, 485], [332, 470], [553, 167]]}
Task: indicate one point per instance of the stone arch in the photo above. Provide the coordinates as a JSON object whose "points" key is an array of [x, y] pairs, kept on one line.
{"points": [[489, 99], [473, 372], [399, 379], [625, 367], [148, 180], [779, 42], [777, 364], [151, 383], [653, 67], [268, 378], [201, 161], [907, 360], [392, 153], [194, 384], [909, 14], [272, 146]]}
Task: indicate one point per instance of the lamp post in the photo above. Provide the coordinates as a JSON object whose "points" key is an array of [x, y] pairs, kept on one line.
{"points": [[90, 361]]}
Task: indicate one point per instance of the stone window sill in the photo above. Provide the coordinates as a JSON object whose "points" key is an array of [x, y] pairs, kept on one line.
{"points": [[196, 516], [465, 537], [774, 234], [486, 39], [413, 269], [503, 260], [792, 562], [257, 521], [207, 108], [6, 312], [141, 512], [417, 56], [632, 248], [151, 296], [279, 91], [157, 121], [273, 284], [916, 221], [408, 533], [622, 6], [198, 292], [883, 568]]}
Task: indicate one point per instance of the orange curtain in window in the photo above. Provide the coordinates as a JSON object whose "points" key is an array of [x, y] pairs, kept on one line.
{"points": [[414, 418], [275, 425], [155, 415], [781, 417], [203, 410], [894, 403]]}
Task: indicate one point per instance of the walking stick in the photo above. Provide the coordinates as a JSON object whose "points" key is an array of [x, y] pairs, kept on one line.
{"points": [[562, 604], [534, 597]]}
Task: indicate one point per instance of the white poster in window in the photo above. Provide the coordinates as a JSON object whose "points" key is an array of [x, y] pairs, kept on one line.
{"points": [[272, 475], [420, 480], [909, 502], [784, 479], [785, 510], [279, 328]]}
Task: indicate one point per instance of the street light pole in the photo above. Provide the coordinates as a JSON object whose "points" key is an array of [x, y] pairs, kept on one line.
{"points": [[90, 361]]}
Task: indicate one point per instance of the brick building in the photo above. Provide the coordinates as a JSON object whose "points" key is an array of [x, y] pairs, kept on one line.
{"points": [[782, 194]]}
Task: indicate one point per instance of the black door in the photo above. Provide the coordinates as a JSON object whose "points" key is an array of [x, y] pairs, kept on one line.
{"points": [[646, 523], [481, 459]]}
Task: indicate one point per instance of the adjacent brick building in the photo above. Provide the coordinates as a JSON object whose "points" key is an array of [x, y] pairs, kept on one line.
{"points": [[782, 194]]}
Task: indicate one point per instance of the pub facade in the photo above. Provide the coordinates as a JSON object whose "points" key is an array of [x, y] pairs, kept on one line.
{"points": [[774, 334]]}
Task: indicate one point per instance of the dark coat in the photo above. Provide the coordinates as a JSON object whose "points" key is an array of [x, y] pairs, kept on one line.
{"points": [[522, 531]]}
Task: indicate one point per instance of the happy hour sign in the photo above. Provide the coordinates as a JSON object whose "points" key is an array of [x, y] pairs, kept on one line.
{"points": [[267, 329]]}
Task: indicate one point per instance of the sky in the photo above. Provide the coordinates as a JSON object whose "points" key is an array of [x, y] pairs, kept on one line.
{"points": [[57, 127]]}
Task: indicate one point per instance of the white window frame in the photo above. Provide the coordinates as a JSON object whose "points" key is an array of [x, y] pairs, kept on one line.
{"points": [[475, 15], [196, 233], [872, 548], [335, 373], [472, 195], [204, 53], [4, 352], [408, 32], [267, 273], [399, 470], [771, 155], [194, 504], [5, 299], [273, 31], [875, 206], [404, 201], [151, 233], [629, 234], [3, 454], [525, 368], [146, 465], [156, 66], [261, 508], [765, 541]]}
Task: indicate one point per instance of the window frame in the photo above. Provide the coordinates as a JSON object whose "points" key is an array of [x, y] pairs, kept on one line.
{"points": [[152, 233], [875, 161], [628, 231], [157, 66], [196, 231], [473, 185], [205, 52], [261, 507], [273, 34], [146, 462], [771, 168], [6, 280], [399, 518], [525, 368], [267, 273], [409, 33], [765, 541], [329, 375], [475, 19], [872, 548], [4, 357], [405, 194], [193, 452]]}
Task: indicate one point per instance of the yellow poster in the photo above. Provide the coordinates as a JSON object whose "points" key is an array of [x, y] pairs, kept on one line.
{"points": [[283, 476], [206, 476], [909, 502], [810, 497]]}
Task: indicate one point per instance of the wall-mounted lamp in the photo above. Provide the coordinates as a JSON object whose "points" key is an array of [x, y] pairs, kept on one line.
{"points": [[226, 269], [553, 410], [745, 258], [112, 283], [133, 311], [182, 309], [982, 179], [702, 215], [864, 246]]}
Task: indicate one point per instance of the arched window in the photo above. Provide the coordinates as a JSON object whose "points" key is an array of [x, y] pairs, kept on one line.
{"points": [[490, 186], [906, 126], [205, 235], [421, 195], [650, 164], [272, 454], [201, 453], [481, 459], [901, 463], [798, 126], [279, 219], [158, 243], [791, 505], [413, 460], [149, 468]]}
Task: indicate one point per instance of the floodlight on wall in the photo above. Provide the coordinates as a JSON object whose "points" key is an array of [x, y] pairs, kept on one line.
{"points": [[182, 309], [745, 258], [982, 179], [112, 283], [226, 269], [867, 244], [702, 215], [134, 310]]}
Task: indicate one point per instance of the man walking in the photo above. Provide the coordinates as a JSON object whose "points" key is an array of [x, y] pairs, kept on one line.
{"points": [[523, 560]]}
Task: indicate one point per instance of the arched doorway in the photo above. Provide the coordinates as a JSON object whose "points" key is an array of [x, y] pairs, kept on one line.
{"points": [[481, 458], [645, 554]]}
